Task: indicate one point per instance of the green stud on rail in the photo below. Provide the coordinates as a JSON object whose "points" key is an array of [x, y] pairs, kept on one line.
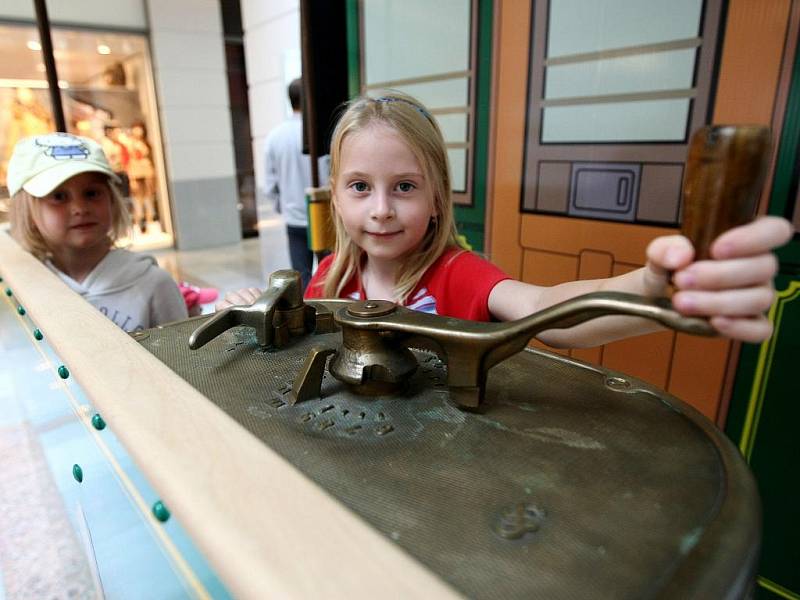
{"points": [[77, 473], [63, 372], [9, 292], [98, 422], [160, 511], [37, 334], [21, 310]]}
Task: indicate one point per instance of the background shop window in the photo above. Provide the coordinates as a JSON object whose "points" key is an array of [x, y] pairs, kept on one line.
{"points": [[107, 91]]}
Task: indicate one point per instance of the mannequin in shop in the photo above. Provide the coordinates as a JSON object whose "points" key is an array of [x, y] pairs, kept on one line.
{"points": [[26, 117], [141, 175], [116, 152]]}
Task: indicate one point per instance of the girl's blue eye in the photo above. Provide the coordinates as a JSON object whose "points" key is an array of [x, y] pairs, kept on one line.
{"points": [[360, 186], [405, 186]]}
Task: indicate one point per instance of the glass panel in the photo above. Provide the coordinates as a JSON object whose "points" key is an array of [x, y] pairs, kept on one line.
{"points": [[437, 94], [107, 93], [398, 43], [454, 127], [578, 26], [95, 539], [640, 73], [655, 120], [458, 168]]}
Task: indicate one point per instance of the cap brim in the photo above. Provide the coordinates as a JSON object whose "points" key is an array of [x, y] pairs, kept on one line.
{"points": [[45, 182]]}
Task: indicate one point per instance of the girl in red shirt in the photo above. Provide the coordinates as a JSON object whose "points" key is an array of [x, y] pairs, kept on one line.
{"points": [[396, 240]]}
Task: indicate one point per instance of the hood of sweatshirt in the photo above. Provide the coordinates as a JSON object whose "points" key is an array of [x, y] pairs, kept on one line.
{"points": [[118, 271]]}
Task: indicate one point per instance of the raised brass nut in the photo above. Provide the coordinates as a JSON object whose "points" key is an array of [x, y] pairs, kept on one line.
{"points": [[371, 308]]}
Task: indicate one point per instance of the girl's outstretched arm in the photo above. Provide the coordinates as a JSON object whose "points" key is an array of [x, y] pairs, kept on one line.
{"points": [[733, 290], [241, 297]]}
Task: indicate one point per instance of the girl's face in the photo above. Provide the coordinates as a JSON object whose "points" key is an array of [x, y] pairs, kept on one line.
{"points": [[76, 215], [381, 194]]}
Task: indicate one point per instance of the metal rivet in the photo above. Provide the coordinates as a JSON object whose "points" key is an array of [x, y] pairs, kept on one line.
{"points": [[618, 383], [63, 372], [98, 422], [160, 511], [77, 473]]}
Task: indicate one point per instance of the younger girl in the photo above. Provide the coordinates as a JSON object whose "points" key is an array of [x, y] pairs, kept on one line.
{"points": [[66, 210], [396, 240]]}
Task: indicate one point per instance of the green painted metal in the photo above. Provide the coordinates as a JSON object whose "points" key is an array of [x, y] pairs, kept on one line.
{"points": [[160, 511], [764, 412], [353, 49], [98, 422], [471, 220]]}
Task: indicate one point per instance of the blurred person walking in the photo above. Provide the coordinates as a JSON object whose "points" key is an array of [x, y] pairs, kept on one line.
{"points": [[288, 174]]}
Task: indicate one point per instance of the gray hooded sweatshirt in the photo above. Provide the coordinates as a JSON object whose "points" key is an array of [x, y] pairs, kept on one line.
{"points": [[131, 290]]}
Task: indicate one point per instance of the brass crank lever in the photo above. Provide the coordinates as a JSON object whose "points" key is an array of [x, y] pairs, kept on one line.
{"points": [[277, 315], [374, 356], [376, 335]]}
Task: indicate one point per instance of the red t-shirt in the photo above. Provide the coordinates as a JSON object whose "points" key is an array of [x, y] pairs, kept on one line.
{"points": [[456, 285]]}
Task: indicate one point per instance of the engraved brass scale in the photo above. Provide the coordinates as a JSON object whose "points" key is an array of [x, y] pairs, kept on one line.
{"points": [[509, 472]]}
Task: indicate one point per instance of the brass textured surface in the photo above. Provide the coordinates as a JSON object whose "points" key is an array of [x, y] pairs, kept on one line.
{"points": [[569, 483]]}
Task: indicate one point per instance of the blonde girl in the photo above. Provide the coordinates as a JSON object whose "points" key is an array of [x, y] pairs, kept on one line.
{"points": [[396, 240], [67, 211]]}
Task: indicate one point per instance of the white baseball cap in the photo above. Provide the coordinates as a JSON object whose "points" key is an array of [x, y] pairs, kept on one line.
{"points": [[41, 163]]}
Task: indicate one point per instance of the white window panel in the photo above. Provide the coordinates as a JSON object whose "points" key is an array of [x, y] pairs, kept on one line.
{"points": [[640, 73], [438, 94], [454, 127], [405, 39], [653, 120], [579, 26], [458, 169]]}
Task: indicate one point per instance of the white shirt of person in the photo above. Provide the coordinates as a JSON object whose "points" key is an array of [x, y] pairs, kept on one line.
{"points": [[288, 170]]}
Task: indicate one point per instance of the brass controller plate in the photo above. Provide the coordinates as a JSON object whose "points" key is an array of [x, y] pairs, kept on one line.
{"points": [[570, 480]]}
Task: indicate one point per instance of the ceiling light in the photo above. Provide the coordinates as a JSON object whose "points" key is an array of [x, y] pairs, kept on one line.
{"points": [[34, 45], [103, 49]]}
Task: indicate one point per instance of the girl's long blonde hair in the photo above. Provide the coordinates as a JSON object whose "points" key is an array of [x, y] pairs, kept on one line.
{"points": [[23, 228], [419, 130]]}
